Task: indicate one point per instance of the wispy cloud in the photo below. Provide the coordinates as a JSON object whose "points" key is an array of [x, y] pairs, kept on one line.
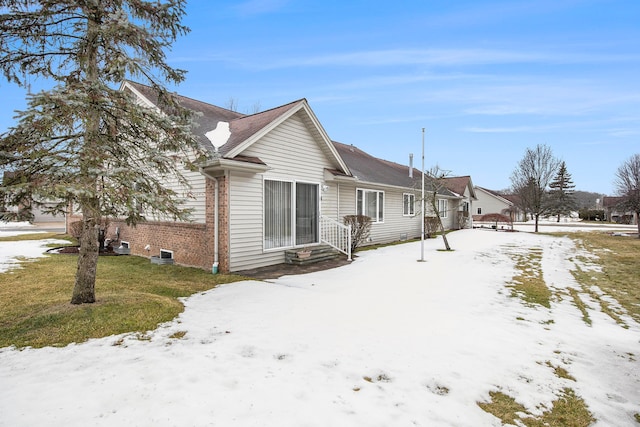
{"points": [[408, 57], [444, 57]]}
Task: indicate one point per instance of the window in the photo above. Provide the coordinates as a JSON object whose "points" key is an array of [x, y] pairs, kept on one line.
{"points": [[408, 204], [290, 214], [443, 207], [371, 204], [479, 211], [164, 253]]}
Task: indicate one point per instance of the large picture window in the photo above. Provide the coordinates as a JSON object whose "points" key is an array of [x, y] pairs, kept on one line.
{"points": [[408, 204], [371, 204], [290, 214]]}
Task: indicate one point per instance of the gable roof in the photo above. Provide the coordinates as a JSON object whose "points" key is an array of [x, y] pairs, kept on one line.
{"points": [[459, 184], [244, 130], [505, 198]]}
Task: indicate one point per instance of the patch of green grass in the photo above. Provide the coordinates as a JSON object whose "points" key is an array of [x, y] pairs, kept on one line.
{"points": [[568, 410], [529, 284], [33, 236], [132, 295]]}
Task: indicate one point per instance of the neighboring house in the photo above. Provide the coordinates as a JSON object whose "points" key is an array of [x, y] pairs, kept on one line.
{"points": [[613, 213], [275, 181], [462, 186], [491, 202], [34, 213]]}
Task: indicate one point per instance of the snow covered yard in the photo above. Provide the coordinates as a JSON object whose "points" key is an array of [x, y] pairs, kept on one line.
{"points": [[385, 341]]}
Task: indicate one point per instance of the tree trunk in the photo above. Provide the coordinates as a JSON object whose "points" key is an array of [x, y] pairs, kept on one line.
{"points": [[84, 288], [536, 229], [444, 235], [638, 222]]}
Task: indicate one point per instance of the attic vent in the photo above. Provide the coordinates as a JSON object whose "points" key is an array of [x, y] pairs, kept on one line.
{"points": [[165, 254]]}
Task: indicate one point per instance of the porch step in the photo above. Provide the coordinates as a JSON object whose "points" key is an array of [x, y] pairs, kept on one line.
{"points": [[318, 253]]}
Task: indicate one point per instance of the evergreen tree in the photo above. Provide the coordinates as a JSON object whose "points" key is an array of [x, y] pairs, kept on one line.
{"points": [[85, 143], [561, 198]]}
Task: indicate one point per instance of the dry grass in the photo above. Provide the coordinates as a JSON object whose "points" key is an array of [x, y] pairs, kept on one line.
{"points": [[529, 284], [568, 410], [619, 276], [132, 295]]}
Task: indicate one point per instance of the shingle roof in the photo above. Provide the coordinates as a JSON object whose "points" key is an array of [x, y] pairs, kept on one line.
{"points": [[370, 169], [208, 118], [366, 167], [457, 184], [245, 127]]}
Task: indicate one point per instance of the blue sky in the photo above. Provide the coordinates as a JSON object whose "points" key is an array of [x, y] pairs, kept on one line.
{"points": [[486, 79]]}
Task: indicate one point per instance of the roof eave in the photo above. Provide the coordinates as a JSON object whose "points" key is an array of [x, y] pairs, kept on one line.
{"points": [[216, 167]]}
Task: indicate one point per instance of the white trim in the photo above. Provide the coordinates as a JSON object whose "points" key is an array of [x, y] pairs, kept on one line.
{"points": [[166, 251], [123, 243], [384, 198], [294, 189], [412, 205]]}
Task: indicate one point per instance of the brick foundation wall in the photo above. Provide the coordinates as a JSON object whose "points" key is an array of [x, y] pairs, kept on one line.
{"points": [[192, 244]]}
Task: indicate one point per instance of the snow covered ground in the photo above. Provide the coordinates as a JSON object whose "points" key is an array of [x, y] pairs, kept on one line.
{"points": [[384, 341], [12, 252]]}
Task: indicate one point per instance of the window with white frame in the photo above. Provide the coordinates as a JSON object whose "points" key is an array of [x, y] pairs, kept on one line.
{"points": [[290, 214], [443, 207], [408, 204], [371, 204]]}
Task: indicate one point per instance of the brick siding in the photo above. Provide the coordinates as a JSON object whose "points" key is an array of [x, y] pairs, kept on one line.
{"points": [[192, 244]]}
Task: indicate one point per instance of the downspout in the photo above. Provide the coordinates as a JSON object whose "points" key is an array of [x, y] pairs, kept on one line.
{"points": [[216, 208]]}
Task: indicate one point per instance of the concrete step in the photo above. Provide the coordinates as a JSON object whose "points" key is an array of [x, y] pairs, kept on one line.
{"points": [[317, 254]]}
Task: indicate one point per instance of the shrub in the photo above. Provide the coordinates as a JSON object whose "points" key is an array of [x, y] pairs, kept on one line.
{"points": [[360, 229], [591, 214]]}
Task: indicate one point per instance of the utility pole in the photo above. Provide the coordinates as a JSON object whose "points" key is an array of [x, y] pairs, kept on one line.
{"points": [[423, 206]]}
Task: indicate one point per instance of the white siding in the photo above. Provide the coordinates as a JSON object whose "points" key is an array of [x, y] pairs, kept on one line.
{"points": [[292, 155], [488, 203]]}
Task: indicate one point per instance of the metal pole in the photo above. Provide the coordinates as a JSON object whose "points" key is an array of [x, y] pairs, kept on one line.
{"points": [[423, 206]]}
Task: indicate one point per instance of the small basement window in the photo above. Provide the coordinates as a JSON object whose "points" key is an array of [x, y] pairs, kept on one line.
{"points": [[166, 254], [124, 244]]}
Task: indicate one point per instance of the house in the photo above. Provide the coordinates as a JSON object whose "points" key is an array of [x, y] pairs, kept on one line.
{"points": [[491, 202], [275, 181], [463, 187], [36, 212], [613, 213]]}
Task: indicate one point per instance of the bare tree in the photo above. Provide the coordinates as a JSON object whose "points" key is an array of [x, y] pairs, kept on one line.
{"points": [[530, 180], [436, 184], [627, 185]]}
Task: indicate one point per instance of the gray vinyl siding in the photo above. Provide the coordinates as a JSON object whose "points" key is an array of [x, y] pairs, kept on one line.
{"points": [[395, 226], [192, 197], [292, 155]]}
